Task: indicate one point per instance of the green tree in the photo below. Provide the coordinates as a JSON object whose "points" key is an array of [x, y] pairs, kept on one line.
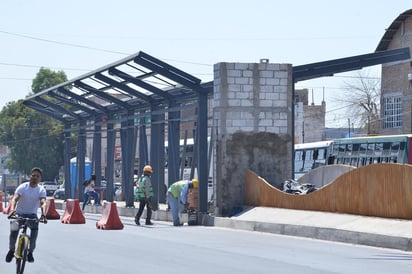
{"points": [[33, 139]]}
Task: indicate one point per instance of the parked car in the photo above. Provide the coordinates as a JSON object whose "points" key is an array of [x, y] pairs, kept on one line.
{"points": [[116, 186], [50, 186], [59, 193]]}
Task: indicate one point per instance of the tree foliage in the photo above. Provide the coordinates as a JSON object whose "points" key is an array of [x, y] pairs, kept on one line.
{"points": [[361, 98], [33, 139]]}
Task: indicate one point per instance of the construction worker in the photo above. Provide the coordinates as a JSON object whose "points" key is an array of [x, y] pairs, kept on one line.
{"points": [[177, 193], [144, 193]]}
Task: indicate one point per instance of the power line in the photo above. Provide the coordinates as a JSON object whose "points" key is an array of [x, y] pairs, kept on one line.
{"points": [[91, 48], [38, 66], [63, 43]]}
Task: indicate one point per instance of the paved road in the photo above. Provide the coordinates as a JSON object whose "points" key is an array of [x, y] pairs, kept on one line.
{"points": [[371, 231], [162, 248]]}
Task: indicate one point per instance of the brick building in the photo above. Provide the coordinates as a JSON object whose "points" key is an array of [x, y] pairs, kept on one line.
{"points": [[396, 89], [309, 118]]}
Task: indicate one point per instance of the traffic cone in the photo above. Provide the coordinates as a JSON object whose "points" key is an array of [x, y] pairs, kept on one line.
{"points": [[110, 217], [51, 213], [73, 214]]}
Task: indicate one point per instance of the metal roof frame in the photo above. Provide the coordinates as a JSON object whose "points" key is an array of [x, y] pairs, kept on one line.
{"points": [[135, 82], [133, 87], [328, 68]]}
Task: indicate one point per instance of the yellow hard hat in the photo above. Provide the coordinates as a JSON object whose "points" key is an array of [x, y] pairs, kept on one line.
{"points": [[195, 183], [148, 169]]}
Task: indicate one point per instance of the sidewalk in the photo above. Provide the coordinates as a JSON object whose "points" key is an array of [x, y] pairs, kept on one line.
{"points": [[371, 231]]}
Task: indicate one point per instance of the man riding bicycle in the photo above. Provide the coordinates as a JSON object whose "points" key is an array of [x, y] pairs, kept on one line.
{"points": [[25, 202]]}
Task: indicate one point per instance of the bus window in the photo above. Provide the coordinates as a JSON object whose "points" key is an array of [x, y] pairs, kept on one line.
{"points": [[362, 149], [371, 149], [403, 154], [378, 149], [386, 150], [348, 150], [395, 151], [341, 149], [355, 149], [315, 154], [354, 162], [362, 161], [395, 148]]}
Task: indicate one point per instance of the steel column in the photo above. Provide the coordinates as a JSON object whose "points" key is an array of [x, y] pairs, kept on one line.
{"points": [[67, 175], [173, 146], [111, 140], [157, 159], [80, 161], [202, 163]]}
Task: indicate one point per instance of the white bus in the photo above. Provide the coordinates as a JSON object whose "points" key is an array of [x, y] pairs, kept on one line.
{"points": [[311, 155], [354, 151]]}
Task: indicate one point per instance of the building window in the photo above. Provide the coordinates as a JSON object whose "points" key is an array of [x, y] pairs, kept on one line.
{"points": [[392, 112]]}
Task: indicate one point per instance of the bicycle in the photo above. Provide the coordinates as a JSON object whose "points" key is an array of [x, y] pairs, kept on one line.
{"points": [[23, 241]]}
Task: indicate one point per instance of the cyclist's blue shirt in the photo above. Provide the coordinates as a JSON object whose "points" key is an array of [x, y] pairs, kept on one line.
{"points": [[29, 201]]}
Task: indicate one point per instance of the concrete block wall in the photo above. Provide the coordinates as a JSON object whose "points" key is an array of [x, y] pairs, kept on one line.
{"points": [[252, 112]]}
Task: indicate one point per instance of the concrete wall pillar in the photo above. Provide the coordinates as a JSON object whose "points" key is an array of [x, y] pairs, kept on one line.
{"points": [[252, 110]]}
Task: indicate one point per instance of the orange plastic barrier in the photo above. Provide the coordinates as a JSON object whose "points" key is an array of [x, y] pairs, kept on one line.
{"points": [[110, 217], [51, 213], [7, 209], [73, 213]]}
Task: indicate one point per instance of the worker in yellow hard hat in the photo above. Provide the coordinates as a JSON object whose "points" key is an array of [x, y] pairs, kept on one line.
{"points": [[177, 193]]}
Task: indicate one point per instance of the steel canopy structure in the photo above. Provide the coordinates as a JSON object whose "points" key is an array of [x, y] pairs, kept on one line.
{"points": [[141, 91], [137, 92]]}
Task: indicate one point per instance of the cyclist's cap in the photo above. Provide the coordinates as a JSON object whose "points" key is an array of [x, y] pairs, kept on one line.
{"points": [[38, 170]]}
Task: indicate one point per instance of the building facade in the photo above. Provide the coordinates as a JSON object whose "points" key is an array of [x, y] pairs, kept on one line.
{"points": [[309, 118], [396, 88]]}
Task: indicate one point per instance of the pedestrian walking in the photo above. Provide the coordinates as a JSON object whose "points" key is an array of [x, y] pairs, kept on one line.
{"points": [[144, 193]]}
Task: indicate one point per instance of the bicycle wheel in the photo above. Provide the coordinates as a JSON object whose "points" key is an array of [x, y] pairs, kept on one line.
{"points": [[21, 254], [23, 260], [18, 265]]}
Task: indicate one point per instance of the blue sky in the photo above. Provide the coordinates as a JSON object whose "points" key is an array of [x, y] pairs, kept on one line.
{"points": [[78, 36]]}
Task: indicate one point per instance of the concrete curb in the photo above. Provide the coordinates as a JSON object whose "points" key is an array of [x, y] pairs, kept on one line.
{"points": [[320, 233], [158, 215]]}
